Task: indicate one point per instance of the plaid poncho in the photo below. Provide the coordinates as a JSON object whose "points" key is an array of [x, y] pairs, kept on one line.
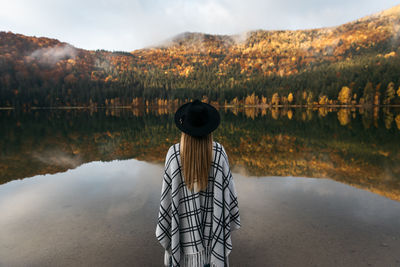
{"points": [[195, 228]]}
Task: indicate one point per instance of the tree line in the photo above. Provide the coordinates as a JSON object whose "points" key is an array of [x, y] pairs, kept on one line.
{"points": [[365, 79]]}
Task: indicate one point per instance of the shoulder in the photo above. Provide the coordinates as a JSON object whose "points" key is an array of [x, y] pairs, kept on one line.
{"points": [[219, 148], [173, 149], [172, 153]]}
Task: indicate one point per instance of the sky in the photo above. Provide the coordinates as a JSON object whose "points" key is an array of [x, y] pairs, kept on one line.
{"points": [[126, 25]]}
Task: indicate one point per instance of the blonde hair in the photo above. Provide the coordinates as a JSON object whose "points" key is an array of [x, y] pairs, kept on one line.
{"points": [[196, 157]]}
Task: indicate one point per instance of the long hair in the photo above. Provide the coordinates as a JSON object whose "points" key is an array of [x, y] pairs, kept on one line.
{"points": [[196, 157]]}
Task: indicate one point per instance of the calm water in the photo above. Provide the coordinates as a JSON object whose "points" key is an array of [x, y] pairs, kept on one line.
{"points": [[82, 188]]}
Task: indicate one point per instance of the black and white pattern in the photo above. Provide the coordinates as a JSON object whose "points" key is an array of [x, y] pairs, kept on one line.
{"points": [[195, 227]]}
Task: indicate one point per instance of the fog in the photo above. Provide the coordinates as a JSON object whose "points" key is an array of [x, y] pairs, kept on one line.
{"points": [[51, 55]]}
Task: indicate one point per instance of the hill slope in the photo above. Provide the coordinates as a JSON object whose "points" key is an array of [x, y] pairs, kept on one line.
{"points": [[316, 63]]}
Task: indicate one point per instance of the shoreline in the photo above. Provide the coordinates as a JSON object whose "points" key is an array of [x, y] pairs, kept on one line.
{"points": [[218, 106]]}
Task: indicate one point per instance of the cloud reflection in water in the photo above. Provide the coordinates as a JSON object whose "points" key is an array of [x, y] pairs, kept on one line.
{"points": [[104, 214]]}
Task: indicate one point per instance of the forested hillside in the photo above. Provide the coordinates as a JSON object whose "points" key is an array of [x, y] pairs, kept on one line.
{"points": [[354, 63]]}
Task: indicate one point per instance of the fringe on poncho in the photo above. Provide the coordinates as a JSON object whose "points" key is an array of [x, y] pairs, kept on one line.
{"points": [[195, 227]]}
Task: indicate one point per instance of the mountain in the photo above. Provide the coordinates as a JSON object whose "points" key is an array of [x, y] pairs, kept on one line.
{"points": [[257, 67], [281, 52]]}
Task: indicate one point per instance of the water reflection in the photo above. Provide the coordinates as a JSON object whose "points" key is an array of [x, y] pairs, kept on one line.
{"points": [[104, 214], [82, 217], [359, 147]]}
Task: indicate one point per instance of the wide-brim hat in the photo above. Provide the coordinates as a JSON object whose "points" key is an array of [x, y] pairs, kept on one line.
{"points": [[197, 118]]}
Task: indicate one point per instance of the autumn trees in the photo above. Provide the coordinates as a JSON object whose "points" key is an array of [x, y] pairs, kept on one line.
{"points": [[345, 95], [266, 68]]}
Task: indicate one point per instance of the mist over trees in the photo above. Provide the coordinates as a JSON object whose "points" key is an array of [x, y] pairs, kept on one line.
{"points": [[353, 64]]}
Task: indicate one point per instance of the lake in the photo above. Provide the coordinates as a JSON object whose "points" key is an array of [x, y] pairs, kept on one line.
{"points": [[316, 187]]}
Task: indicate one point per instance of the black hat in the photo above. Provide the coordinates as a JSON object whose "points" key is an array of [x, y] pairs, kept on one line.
{"points": [[197, 118]]}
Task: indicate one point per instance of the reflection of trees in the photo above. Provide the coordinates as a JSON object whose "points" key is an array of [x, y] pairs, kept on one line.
{"points": [[102, 135], [318, 147], [376, 116], [398, 121], [275, 113], [323, 111], [275, 142], [290, 114], [251, 112], [366, 118], [309, 114], [388, 118], [263, 112], [284, 112], [343, 116]]}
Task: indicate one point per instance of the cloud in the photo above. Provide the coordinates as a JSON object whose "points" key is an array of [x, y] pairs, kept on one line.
{"points": [[51, 55], [58, 158], [88, 183], [96, 205], [128, 25]]}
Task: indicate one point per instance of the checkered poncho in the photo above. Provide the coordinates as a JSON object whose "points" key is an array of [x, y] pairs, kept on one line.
{"points": [[195, 228]]}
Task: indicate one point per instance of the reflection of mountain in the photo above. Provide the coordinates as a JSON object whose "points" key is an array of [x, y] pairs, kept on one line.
{"points": [[364, 152]]}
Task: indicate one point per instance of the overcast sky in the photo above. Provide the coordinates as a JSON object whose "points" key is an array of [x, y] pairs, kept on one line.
{"points": [[132, 24]]}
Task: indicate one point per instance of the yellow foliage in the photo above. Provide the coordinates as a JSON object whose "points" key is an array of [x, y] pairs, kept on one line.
{"points": [[275, 113], [109, 77], [290, 98], [323, 111], [303, 116], [290, 114], [263, 112], [391, 54], [323, 100], [263, 100], [251, 99], [235, 101], [397, 120], [275, 99], [344, 116], [250, 113], [388, 120], [345, 95]]}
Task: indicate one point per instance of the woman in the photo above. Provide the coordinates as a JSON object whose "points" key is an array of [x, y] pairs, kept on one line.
{"points": [[199, 206]]}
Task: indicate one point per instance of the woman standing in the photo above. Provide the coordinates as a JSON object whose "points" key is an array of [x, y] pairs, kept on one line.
{"points": [[199, 206]]}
